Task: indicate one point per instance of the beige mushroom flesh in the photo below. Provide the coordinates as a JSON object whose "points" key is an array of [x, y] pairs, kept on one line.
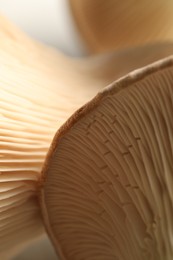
{"points": [[107, 187]]}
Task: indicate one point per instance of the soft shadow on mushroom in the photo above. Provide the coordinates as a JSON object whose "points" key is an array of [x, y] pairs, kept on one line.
{"points": [[108, 177], [108, 25]]}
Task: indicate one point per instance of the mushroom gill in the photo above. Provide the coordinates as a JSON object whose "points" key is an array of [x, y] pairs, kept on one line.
{"points": [[36, 96], [107, 25], [107, 182]]}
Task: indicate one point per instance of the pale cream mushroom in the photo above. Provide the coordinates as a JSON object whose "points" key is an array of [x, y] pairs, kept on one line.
{"points": [[107, 188], [39, 89], [110, 24], [34, 102]]}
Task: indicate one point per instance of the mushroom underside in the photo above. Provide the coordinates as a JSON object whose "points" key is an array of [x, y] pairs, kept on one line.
{"points": [[108, 178], [34, 102]]}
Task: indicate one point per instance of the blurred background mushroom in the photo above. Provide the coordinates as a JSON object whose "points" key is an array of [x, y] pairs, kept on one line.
{"points": [[113, 24], [86, 27]]}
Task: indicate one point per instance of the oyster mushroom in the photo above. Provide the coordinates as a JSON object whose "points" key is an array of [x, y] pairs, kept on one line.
{"points": [[39, 89], [107, 182], [107, 25]]}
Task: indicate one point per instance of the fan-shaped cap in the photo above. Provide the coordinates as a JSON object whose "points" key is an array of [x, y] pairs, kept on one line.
{"points": [[107, 182], [111, 24]]}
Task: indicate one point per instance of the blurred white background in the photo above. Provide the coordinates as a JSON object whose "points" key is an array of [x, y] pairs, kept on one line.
{"points": [[49, 21]]}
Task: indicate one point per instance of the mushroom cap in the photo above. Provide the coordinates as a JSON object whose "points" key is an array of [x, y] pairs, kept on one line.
{"points": [[107, 181], [107, 25]]}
